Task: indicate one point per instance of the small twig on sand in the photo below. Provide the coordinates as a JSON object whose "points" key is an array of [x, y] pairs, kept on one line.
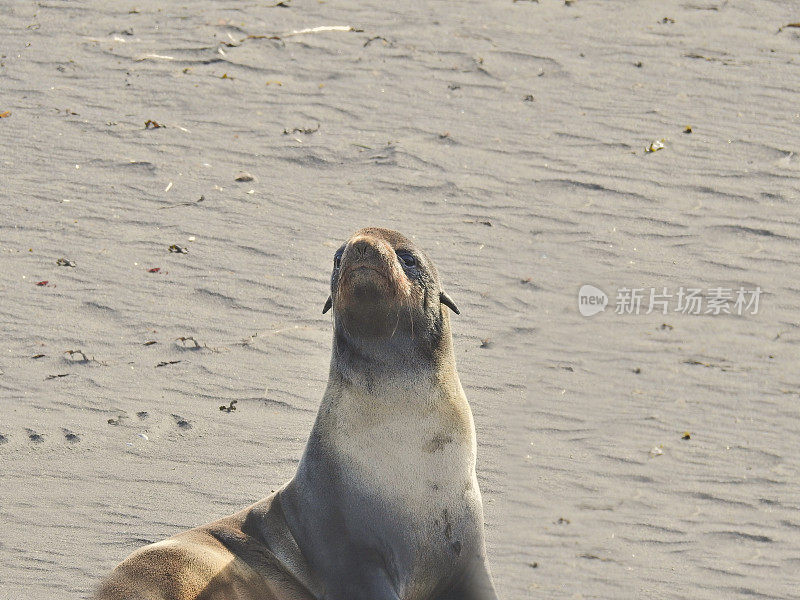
{"points": [[230, 408], [305, 130], [84, 358], [321, 29], [164, 363], [198, 201], [377, 37], [81, 352]]}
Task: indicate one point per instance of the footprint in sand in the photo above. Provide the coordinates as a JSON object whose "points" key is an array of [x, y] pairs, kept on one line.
{"points": [[36, 438], [71, 436], [181, 422], [118, 419]]}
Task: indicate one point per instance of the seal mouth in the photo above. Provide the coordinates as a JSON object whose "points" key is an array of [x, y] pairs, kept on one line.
{"points": [[364, 267], [364, 286]]}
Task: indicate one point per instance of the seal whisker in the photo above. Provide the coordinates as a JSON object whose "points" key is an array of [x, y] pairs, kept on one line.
{"points": [[411, 319], [396, 323]]}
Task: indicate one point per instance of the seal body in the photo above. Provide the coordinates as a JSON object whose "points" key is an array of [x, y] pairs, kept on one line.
{"points": [[385, 503]]}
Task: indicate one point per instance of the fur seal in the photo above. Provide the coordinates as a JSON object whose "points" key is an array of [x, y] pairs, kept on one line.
{"points": [[385, 503]]}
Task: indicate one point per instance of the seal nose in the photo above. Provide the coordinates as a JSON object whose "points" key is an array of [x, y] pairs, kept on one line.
{"points": [[367, 251], [363, 249]]}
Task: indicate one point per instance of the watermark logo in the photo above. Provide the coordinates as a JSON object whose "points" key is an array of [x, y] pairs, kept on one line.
{"points": [[686, 300], [591, 300]]}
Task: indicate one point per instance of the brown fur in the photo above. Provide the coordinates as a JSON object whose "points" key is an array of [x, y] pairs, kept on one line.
{"points": [[197, 565]]}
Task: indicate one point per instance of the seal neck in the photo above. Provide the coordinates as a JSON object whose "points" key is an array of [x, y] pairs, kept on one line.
{"points": [[399, 363]]}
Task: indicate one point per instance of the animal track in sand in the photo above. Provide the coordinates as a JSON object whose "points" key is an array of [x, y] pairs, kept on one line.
{"points": [[71, 436], [181, 422], [153, 420], [118, 419], [36, 438]]}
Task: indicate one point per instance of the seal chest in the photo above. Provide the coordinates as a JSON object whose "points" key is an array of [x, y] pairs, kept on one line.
{"points": [[404, 446], [413, 459]]}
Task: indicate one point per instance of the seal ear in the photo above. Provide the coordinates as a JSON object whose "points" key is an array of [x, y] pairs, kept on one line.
{"points": [[448, 302], [328, 304]]}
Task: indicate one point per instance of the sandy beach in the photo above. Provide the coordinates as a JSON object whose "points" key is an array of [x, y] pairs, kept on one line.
{"points": [[174, 181]]}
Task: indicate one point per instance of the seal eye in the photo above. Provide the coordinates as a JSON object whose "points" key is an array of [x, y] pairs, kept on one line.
{"points": [[337, 259], [408, 259]]}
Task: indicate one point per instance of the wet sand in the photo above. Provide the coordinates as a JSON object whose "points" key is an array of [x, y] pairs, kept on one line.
{"points": [[509, 140]]}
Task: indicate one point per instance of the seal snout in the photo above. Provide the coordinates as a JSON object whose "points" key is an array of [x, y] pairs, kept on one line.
{"points": [[363, 247], [367, 251], [369, 271], [362, 256]]}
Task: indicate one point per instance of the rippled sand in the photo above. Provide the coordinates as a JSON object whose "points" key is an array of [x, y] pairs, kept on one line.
{"points": [[509, 139]]}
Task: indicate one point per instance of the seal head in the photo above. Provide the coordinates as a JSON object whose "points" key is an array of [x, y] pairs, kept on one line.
{"points": [[388, 304]]}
